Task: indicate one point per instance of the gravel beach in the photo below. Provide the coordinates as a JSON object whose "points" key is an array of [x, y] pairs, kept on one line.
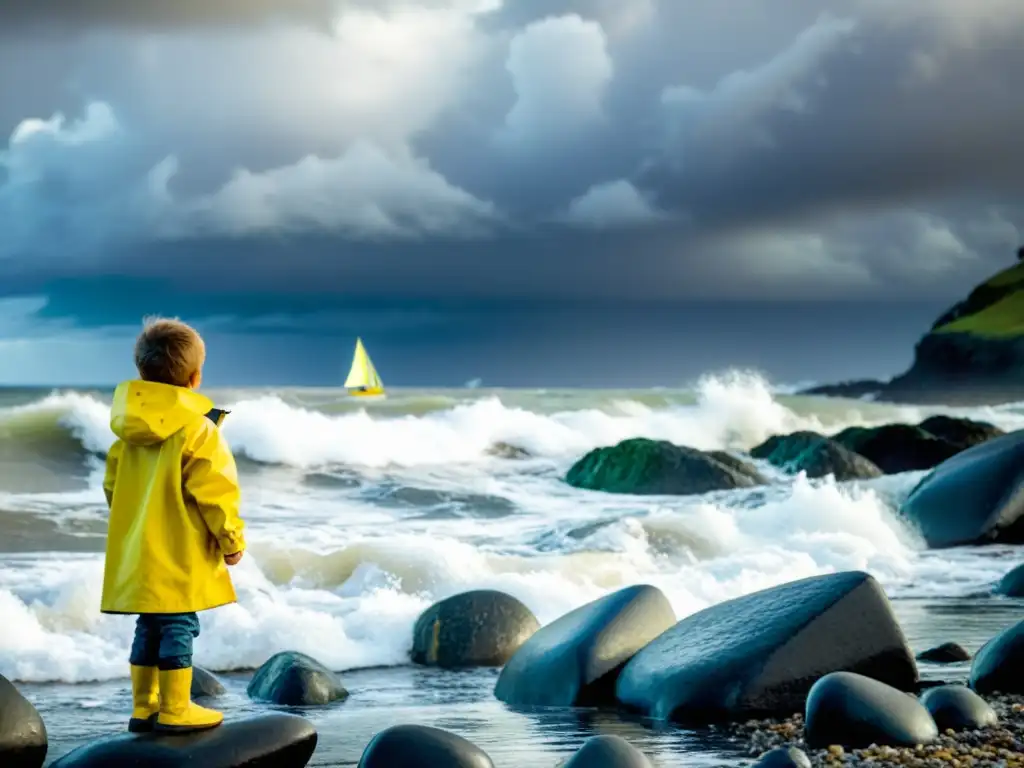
{"points": [[1001, 745]]}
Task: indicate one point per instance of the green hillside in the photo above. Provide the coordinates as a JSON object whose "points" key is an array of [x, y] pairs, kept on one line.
{"points": [[995, 309]]}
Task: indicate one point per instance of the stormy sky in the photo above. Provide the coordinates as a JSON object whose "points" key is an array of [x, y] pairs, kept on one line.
{"points": [[516, 190]]}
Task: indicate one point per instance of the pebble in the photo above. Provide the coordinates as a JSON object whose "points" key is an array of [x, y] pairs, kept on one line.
{"points": [[1001, 746]]}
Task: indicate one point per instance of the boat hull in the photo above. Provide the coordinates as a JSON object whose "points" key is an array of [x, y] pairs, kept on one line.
{"points": [[367, 393]]}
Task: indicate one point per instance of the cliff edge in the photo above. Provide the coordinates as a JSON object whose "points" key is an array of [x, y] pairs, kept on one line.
{"points": [[973, 353]]}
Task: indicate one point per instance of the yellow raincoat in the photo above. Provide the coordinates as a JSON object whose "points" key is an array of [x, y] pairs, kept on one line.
{"points": [[172, 487]]}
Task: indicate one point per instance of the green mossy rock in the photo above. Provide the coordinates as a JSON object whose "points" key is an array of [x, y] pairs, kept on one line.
{"points": [[643, 466], [816, 456]]}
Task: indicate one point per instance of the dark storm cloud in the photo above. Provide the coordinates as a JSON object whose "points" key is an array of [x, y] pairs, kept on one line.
{"points": [[647, 148], [20, 16]]}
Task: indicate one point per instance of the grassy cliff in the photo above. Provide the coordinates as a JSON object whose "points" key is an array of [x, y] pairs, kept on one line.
{"points": [[994, 309], [975, 351]]}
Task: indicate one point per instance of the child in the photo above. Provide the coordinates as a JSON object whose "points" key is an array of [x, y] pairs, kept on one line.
{"points": [[172, 488]]}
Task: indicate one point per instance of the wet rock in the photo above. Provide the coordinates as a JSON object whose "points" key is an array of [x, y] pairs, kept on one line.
{"points": [[268, 741], [575, 660], [642, 466], [295, 680], [999, 665], [23, 741], [502, 450], [205, 685], [962, 433], [784, 757], [419, 746], [482, 628], [976, 497], [816, 456], [608, 751], [856, 389], [947, 653], [854, 711], [897, 447], [1012, 584], [959, 708], [759, 654]]}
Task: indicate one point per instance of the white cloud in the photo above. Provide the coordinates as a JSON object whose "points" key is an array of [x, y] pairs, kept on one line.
{"points": [[81, 175], [727, 117], [364, 193], [384, 73], [560, 68], [610, 205]]}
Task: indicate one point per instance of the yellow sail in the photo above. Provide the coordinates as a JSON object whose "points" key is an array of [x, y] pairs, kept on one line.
{"points": [[363, 378]]}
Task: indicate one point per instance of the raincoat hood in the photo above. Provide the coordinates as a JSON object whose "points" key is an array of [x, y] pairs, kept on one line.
{"points": [[146, 412]]}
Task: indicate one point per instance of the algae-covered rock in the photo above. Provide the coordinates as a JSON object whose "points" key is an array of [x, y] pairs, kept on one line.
{"points": [[643, 466], [816, 456]]}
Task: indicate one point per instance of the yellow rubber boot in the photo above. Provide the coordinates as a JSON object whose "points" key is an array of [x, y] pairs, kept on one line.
{"points": [[178, 714], [145, 699]]}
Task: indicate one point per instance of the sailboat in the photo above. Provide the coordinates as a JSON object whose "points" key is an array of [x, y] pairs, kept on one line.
{"points": [[363, 379]]}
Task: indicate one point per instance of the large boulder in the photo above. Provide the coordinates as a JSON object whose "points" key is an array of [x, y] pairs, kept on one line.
{"points": [[205, 684], [816, 456], [962, 433], [999, 666], [295, 680], [976, 497], [854, 711], [759, 654], [608, 751], [643, 466], [267, 741], [418, 746], [947, 653], [23, 739], [1012, 584], [897, 447], [574, 660], [482, 628], [958, 708]]}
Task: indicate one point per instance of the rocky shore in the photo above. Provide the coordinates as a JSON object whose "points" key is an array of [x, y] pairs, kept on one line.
{"points": [[999, 745]]}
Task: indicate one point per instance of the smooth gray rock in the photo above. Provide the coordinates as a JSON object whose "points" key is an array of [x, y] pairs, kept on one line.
{"points": [[976, 497], [608, 751], [296, 680], [854, 711], [947, 653], [23, 741], [268, 741], [482, 628], [784, 757], [999, 665], [1012, 584], [959, 708], [759, 655], [574, 660], [420, 746], [205, 685]]}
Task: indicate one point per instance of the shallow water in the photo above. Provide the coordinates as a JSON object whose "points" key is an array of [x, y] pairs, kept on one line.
{"points": [[360, 516], [462, 701]]}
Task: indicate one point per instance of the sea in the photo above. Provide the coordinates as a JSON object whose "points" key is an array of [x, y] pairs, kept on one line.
{"points": [[361, 514]]}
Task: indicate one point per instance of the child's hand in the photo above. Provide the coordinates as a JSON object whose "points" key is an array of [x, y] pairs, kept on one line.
{"points": [[233, 559]]}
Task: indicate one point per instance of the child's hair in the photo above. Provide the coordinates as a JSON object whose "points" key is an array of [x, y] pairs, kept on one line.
{"points": [[168, 351]]}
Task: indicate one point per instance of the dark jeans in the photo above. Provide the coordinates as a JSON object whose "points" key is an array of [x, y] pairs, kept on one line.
{"points": [[164, 640]]}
